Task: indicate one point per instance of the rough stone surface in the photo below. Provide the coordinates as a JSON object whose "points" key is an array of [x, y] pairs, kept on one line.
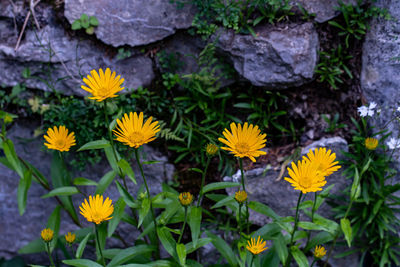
{"points": [[132, 22], [70, 58], [20, 230], [380, 80], [280, 56], [324, 10]]}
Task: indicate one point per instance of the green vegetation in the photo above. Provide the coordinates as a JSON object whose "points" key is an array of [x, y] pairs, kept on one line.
{"points": [[85, 22]]}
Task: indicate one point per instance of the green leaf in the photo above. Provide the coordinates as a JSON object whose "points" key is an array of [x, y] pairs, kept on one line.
{"points": [[93, 21], [111, 158], [195, 223], [105, 181], [281, 248], [98, 144], [311, 226], [62, 191], [9, 151], [219, 185], [299, 257], [84, 181], [167, 241], [144, 210], [84, 21], [35, 246], [181, 251], [223, 248], [82, 246], [54, 224], [76, 25], [129, 253], [22, 192], [201, 242], [81, 263], [119, 208], [126, 168], [263, 209], [347, 231], [127, 197], [90, 30], [319, 239]]}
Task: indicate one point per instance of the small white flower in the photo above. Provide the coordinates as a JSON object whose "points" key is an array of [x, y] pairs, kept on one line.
{"points": [[393, 143], [372, 105], [363, 110], [398, 109]]}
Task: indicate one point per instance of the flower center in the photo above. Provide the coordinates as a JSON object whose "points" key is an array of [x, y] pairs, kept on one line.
{"points": [[305, 182], [60, 143], [104, 91], [242, 148], [136, 137]]}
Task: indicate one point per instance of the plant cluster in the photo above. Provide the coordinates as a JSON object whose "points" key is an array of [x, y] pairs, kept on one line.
{"points": [[85, 22], [241, 16], [157, 217], [372, 196]]}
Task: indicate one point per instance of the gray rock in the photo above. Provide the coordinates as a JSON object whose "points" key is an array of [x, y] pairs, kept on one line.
{"points": [[20, 230], [58, 61], [280, 56], [132, 22], [324, 10]]}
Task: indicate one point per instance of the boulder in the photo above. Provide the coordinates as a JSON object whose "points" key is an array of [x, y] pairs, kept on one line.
{"points": [[324, 10], [20, 230], [279, 56], [132, 22], [57, 61]]}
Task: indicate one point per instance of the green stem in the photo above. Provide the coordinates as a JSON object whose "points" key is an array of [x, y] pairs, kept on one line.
{"points": [[99, 246], [183, 226], [203, 180], [49, 253], [112, 143], [244, 189], [312, 216], [252, 259], [242, 173], [148, 195], [312, 264], [296, 220], [240, 220]]}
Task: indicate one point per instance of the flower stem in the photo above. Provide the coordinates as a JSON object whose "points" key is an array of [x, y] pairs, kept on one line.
{"points": [[296, 220], [240, 220], [313, 262], [183, 226], [312, 216], [242, 173], [203, 180], [148, 196], [99, 246], [112, 143], [252, 259], [49, 253], [244, 189]]}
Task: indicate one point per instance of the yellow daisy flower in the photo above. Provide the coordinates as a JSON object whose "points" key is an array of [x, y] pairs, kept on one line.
{"points": [[102, 85], [132, 132], [319, 252], [59, 139], [241, 196], [47, 235], [306, 177], [70, 238], [244, 141], [371, 143], [325, 160], [96, 211], [211, 149], [185, 198], [256, 247]]}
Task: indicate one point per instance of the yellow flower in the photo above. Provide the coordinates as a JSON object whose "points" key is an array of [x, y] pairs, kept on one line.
{"points": [[70, 238], [371, 143], [319, 252], [256, 248], [244, 141], [59, 139], [96, 211], [47, 235], [325, 160], [241, 196], [132, 132], [211, 149], [185, 198], [306, 177], [103, 85]]}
